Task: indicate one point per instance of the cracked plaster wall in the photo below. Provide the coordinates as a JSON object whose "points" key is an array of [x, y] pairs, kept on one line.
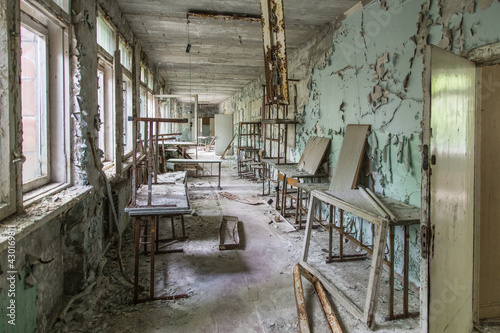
{"points": [[367, 68], [74, 238]]}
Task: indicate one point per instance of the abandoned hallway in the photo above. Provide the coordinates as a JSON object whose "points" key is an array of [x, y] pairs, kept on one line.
{"points": [[243, 290], [372, 123]]}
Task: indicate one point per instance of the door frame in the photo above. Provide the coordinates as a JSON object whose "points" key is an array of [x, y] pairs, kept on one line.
{"points": [[483, 56]]}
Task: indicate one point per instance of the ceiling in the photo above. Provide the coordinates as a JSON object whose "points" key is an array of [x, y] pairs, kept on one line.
{"points": [[225, 55]]}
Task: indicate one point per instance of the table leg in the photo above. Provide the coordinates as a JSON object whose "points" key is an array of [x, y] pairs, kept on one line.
{"points": [[341, 234], [391, 272], [310, 216], [375, 273], [405, 272], [157, 222], [330, 232], [137, 248], [263, 177], [183, 228], [219, 176], [172, 222], [152, 282]]}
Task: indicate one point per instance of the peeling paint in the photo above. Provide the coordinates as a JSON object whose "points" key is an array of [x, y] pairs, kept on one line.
{"points": [[367, 68]]}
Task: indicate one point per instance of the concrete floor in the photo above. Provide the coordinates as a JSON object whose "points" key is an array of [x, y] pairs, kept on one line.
{"points": [[246, 290]]}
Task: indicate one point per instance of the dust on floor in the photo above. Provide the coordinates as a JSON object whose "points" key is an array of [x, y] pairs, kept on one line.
{"points": [[245, 290]]}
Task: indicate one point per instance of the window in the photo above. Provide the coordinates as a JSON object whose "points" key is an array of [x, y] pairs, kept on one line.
{"points": [[127, 112], [143, 74], [64, 4], [44, 104], [150, 81], [35, 118], [105, 36], [106, 39], [105, 98], [126, 56]]}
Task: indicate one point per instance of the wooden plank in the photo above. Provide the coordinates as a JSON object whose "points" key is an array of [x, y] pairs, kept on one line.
{"points": [[313, 154], [375, 274], [228, 146], [345, 175], [351, 202]]}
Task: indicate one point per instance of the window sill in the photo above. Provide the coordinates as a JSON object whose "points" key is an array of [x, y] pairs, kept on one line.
{"points": [[37, 214], [36, 195]]}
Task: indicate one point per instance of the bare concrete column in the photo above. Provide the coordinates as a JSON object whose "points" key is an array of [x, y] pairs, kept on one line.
{"points": [[84, 97], [10, 100]]}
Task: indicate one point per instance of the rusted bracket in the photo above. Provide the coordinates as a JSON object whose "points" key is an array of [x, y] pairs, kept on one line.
{"points": [[223, 16], [273, 33], [333, 323]]}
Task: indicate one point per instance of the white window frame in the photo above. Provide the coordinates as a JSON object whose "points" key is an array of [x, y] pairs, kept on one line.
{"points": [[107, 113], [126, 55], [128, 135], [58, 103], [42, 102]]}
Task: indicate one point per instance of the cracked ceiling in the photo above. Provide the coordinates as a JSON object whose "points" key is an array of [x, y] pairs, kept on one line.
{"points": [[225, 55]]}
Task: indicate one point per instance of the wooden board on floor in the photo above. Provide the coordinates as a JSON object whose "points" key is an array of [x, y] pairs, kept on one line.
{"points": [[313, 154], [345, 175], [229, 238]]}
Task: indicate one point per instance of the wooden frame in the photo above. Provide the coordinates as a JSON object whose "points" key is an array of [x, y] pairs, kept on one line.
{"points": [[368, 210]]}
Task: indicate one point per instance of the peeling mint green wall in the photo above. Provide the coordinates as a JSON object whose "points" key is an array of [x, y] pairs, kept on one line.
{"points": [[367, 69], [374, 76]]}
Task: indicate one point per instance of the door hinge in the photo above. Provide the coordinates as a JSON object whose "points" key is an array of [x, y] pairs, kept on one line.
{"points": [[424, 241], [425, 158]]}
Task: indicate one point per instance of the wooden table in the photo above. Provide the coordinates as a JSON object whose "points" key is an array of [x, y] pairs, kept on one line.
{"points": [[182, 145], [354, 202], [169, 198], [186, 162]]}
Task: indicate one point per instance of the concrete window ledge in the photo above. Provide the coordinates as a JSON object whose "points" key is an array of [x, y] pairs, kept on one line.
{"points": [[36, 215]]}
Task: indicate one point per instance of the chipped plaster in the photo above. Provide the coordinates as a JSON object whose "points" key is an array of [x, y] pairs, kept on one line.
{"points": [[367, 68]]}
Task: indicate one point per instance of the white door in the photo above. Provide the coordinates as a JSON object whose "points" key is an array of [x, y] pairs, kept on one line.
{"points": [[223, 133], [448, 187]]}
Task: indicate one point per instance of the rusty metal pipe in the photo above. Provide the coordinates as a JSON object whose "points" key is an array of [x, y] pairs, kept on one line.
{"points": [[325, 303], [327, 308], [300, 301]]}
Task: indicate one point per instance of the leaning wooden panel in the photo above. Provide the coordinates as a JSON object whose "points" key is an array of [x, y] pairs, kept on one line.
{"points": [[313, 154], [345, 175]]}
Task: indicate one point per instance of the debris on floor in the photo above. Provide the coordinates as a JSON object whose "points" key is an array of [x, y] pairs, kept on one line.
{"points": [[298, 272], [234, 197], [229, 291], [229, 238]]}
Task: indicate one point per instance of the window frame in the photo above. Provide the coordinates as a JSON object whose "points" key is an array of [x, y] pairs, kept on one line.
{"points": [[128, 135], [107, 113], [59, 126], [28, 23]]}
